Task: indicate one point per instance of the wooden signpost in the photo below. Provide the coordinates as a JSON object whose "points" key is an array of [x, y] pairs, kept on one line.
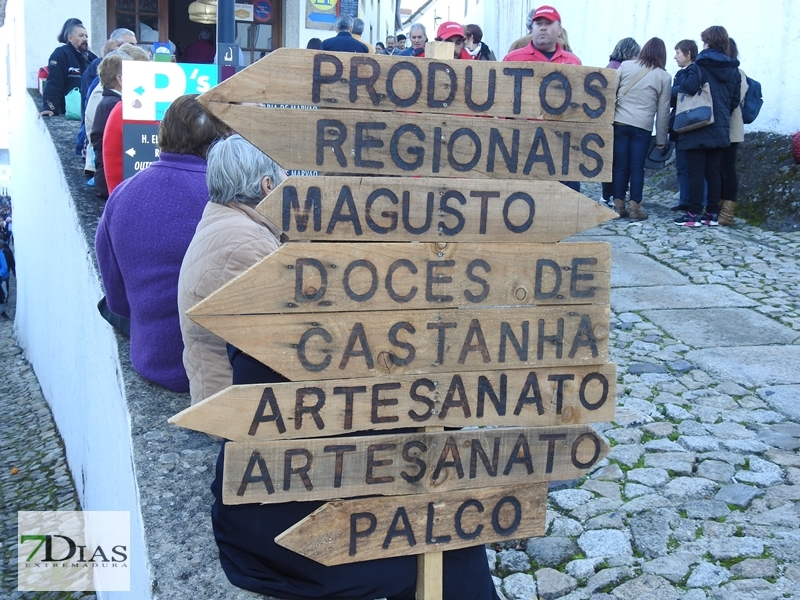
{"points": [[456, 309]]}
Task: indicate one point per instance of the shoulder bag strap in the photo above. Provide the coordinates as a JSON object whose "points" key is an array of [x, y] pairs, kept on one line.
{"points": [[636, 79]]}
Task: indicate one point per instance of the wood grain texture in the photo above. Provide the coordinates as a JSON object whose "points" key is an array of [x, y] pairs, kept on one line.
{"points": [[393, 143], [338, 532], [539, 398], [335, 277], [345, 345], [401, 209], [286, 77], [410, 463]]}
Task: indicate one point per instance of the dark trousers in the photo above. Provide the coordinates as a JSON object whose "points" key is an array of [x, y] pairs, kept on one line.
{"points": [[630, 152], [251, 559], [704, 168], [730, 182]]}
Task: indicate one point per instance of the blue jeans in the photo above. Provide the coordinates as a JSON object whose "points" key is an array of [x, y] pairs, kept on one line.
{"points": [[682, 166], [630, 152]]}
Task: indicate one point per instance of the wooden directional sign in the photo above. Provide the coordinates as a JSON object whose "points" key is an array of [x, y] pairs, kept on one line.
{"points": [[344, 531], [331, 277], [409, 463], [400, 209], [341, 345], [384, 83], [391, 143], [476, 323], [531, 398]]}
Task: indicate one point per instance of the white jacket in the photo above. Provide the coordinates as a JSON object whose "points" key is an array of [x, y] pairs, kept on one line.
{"points": [[648, 98]]}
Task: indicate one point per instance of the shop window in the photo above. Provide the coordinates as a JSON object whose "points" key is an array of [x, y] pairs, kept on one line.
{"points": [[148, 19], [257, 28]]}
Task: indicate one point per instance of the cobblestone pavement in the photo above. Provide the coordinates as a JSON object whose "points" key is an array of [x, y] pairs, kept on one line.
{"points": [[33, 468], [699, 497]]}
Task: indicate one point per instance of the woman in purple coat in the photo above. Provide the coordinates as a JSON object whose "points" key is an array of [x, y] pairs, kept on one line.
{"points": [[143, 235]]}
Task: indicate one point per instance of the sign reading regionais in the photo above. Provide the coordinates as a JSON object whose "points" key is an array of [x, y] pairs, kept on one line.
{"points": [[433, 297]]}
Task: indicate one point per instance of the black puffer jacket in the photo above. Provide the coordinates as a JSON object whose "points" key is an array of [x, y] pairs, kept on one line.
{"points": [[722, 74]]}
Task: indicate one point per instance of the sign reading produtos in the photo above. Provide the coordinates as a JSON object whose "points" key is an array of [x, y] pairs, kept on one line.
{"points": [[436, 301]]}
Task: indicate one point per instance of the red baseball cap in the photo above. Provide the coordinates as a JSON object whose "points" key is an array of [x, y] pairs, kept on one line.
{"points": [[546, 12], [450, 29]]}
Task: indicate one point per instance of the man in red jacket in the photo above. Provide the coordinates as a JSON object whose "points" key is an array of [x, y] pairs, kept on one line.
{"points": [[544, 46]]}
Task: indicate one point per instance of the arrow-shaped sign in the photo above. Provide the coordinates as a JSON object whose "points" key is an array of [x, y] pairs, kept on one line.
{"points": [[131, 152], [334, 277], [342, 80], [139, 90], [532, 398], [391, 209], [344, 531], [375, 143], [411, 463], [316, 17], [341, 345]]}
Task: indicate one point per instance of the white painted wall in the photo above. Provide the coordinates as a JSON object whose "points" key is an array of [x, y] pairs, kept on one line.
{"points": [[72, 350], [768, 39]]}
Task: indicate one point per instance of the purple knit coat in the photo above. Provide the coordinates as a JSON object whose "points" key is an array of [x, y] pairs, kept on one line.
{"points": [[142, 237]]}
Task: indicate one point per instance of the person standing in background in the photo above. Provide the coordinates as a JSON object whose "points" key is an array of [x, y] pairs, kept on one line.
{"points": [[626, 49], [358, 31], [202, 50], [704, 145], [66, 66], [643, 91], [730, 181], [685, 53]]}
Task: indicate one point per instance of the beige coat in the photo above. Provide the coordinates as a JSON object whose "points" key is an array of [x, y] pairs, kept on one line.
{"points": [[737, 124], [648, 98], [229, 239]]}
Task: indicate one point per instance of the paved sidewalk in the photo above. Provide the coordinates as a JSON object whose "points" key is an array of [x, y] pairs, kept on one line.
{"points": [[699, 497], [33, 468]]}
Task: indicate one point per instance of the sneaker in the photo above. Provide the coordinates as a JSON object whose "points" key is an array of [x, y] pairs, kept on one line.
{"points": [[710, 219], [689, 220], [680, 207]]}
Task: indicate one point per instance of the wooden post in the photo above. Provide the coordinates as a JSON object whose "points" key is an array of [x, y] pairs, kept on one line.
{"points": [[440, 50], [430, 576]]}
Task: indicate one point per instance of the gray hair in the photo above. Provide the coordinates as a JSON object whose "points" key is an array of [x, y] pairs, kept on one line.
{"points": [[235, 171], [529, 20], [343, 23], [390, 37], [75, 27], [358, 26], [120, 33], [418, 26]]}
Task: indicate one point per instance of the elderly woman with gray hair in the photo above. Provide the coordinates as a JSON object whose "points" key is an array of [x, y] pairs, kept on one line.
{"points": [[230, 238]]}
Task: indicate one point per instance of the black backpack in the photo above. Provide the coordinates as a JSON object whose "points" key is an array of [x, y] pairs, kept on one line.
{"points": [[751, 105]]}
